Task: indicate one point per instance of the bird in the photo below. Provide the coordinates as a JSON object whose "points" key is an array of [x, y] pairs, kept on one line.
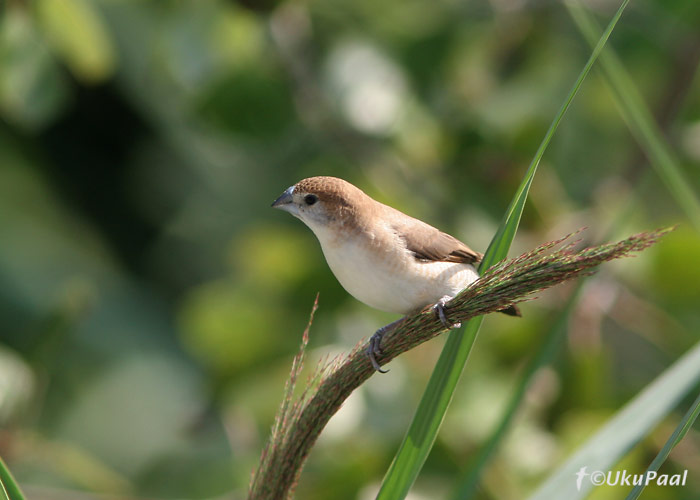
{"points": [[381, 256]]}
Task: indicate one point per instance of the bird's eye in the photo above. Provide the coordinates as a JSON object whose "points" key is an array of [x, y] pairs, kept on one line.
{"points": [[310, 199]]}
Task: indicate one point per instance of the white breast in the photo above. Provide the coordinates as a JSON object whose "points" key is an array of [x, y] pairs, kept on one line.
{"points": [[388, 277]]}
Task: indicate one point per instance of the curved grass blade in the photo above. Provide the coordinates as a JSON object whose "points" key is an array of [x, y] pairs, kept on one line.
{"points": [[467, 485], [627, 96], [431, 411], [624, 430], [9, 490], [639, 118], [683, 427]]}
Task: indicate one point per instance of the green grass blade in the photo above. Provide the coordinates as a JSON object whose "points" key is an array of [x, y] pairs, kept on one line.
{"points": [[9, 490], [467, 484], [678, 434], [607, 446], [637, 115], [640, 119], [431, 411]]}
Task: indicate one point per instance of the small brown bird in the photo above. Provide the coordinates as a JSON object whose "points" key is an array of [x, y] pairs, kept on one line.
{"points": [[381, 256]]}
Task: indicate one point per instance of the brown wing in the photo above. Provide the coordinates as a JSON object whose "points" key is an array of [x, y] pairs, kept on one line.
{"points": [[430, 244]]}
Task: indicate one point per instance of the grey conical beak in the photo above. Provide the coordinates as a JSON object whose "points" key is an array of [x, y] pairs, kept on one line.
{"points": [[284, 199]]}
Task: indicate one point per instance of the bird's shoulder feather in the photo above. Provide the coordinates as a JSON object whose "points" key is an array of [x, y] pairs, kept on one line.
{"points": [[428, 243]]}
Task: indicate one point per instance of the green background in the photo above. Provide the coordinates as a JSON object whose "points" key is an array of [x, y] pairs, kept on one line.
{"points": [[151, 300]]}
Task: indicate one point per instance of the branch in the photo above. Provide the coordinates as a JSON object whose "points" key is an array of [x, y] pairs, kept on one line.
{"points": [[298, 425]]}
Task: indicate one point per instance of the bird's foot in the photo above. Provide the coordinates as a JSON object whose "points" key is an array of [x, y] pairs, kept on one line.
{"points": [[374, 348], [439, 309]]}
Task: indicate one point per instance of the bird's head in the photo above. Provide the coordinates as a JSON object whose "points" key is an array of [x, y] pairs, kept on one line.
{"points": [[322, 203]]}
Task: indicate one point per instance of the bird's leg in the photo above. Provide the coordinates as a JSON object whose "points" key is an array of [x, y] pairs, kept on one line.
{"points": [[375, 340], [439, 309]]}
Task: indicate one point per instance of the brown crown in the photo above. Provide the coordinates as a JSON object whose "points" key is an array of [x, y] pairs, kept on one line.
{"points": [[331, 189]]}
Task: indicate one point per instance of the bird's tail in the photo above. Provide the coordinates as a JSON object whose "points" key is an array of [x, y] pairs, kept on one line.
{"points": [[512, 310]]}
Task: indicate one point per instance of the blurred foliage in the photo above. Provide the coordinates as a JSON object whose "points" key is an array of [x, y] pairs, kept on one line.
{"points": [[151, 302]]}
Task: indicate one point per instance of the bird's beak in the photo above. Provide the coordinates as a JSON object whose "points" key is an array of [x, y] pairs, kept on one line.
{"points": [[284, 199]]}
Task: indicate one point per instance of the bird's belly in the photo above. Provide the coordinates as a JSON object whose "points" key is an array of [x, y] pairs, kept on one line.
{"points": [[396, 284]]}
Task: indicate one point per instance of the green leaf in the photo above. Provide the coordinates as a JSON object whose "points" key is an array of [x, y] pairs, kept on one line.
{"points": [[624, 430], [639, 118], [431, 411], [678, 434], [9, 490]]}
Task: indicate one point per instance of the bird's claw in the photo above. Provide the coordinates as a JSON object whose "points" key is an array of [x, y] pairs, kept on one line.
{"points": [[439, 309], [374, 350]]}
